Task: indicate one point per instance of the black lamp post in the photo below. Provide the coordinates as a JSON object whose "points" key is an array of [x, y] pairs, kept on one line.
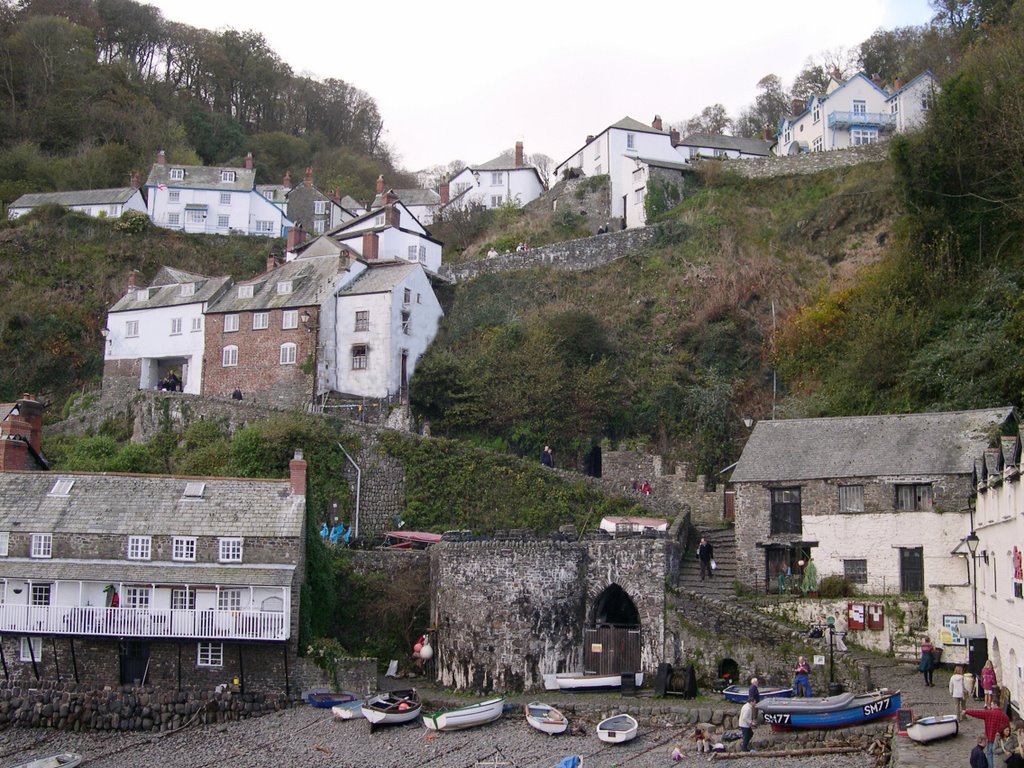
{"points": [[972, 542]]}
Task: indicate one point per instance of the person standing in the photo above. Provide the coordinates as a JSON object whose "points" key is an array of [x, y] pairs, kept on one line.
{"points": [[705, 553], [956, 690], [802, 678], [978, 759], [753, 692], [746, 722], [988, 682], [995, 721], [927, 664], [547, 458]]}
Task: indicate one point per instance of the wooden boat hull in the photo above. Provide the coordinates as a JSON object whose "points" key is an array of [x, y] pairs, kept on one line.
{"points": [[328, 700], [617, 729], [465, 717], [927, 729], [578, 681], [545, 719], [351, 710], [392, 708], [740, 693], [63, 760], [831, 712]]}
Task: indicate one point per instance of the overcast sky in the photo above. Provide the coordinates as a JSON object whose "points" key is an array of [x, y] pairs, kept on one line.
{"points": [[464, 80]]}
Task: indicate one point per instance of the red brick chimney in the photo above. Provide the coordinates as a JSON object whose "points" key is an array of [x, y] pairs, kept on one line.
{"points": [[14, 432], [308, 181], [380, 184], [392, 215], [896, 83], [443, 191], [132, 276], [32, 412], [296, 237], [797, 107], [136, 180], [248, 161], [297, 473], [287, 180], [370, 246], [272, 259], [519, 154], [674, 137], [161, 158], [656, 123]]}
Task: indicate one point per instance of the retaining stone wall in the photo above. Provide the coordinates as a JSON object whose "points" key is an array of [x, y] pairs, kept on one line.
{"points": [[669, 483], [811, 162]]}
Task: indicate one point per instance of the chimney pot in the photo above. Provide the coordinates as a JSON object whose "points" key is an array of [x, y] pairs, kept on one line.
{"points": [[674, 137], [161, 158], [380, 184], [31, 411], [308, 181], [248, 161], [519, 154], [297, 474], [296, 237], [656, 123]]}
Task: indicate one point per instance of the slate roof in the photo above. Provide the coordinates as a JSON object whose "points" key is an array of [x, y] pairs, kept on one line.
{"points": [[116, 196], [148, 572], [202, 177], [275, 193], [659, 163], [410, 197], [868, 446], [625, 124], [379, 278], [168, 283], [734, 143], [350, 204], [310, 275], [148, 504]]}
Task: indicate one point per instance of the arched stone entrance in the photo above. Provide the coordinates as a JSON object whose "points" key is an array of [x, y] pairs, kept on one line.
{"points": [[611, 641]]}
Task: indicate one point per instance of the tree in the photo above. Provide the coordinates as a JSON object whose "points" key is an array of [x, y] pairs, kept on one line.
{"points": [[713, 120], [768, 108], [812, 81]]}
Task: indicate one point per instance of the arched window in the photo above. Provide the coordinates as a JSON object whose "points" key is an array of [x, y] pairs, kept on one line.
{"points": [[288, 354], [229, 357]]}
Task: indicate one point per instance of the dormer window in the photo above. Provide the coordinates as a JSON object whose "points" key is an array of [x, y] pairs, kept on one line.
{"points": [[176, 174], [188, 289], [284, 286], [227, 177], [245, 291], [142, 295]]}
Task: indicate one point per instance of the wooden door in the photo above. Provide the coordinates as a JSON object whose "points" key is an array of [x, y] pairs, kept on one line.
{"points": [[611, 650]]}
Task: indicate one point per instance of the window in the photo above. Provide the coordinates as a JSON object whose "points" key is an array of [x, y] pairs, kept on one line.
{"points": [[194, 489], [359, 357], [31, 648], [230, 323], [195, 215], [223, 221], [40, 594], [860, 107], [245, 291], [225, 198], [362, 320], [197, 324], [42, 545], [818, 145], [210, 654], [5, 543], [174, 219], [289, 319], [597, 150], [142, 295], [638, 197], [175, 326], [786, 511], [413, 250], [319, 226], [229, 357], [229, 550], [174, 197], [183, 599], [264, 226], [62, 487], [914, 497], [497, 179], [187, 289], [229, 600], [495, 201], [260, 321], [419, 298], [288, 354], [139, 547], [406, 323], [131, 328], [597, 170], [136, 597], [856, 571], [284, 286], [816, 113], [851, 498], [176, 174], [859, 136], [630, 141], [894, 107], [423, 253], [183, 548], [407, 296], [227, 177], [319, 207]]}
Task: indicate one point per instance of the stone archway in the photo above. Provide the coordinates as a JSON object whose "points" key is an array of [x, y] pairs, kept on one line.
{"points": [[614, 607], [611, 641]]}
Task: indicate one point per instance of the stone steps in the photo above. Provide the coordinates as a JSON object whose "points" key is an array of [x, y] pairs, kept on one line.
{"points": [[723, 540]]}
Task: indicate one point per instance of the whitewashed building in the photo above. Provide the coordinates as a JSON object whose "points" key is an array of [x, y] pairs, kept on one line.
{"points": [[158, 329], [497, 182], [716, 146], [423, 204], [100, 203], [212, 200], [390, 232], [910, 104], [640, 174]]}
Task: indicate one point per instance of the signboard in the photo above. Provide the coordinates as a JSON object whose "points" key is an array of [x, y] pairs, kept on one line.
{"points": [[596, 648], [855, 615], [819, 661], [950, 632], [904, 717], [876, 617]]}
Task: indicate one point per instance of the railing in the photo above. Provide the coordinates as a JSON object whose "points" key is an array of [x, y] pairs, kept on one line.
{"points": [[879, 120], [210, 228], [144, 622]]}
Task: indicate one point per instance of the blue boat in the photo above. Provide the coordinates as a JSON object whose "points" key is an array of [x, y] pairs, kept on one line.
{"points": [[840, 711], [739, 693], [327, 700]]}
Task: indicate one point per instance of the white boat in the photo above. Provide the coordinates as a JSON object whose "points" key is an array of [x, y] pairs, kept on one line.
{"points": [[927, 729], [617, 729], [392, 708], [545, 718], [581, 681], [465, 717], [64, 760], [350, 710]]}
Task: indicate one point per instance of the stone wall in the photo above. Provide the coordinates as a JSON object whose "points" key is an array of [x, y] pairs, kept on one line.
{"points": [[579, 195], [571, 255], [668, 481], [812, 162]]}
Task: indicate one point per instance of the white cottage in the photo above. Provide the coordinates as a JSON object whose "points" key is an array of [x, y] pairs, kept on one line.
{"points": [[910, 104], [390, 232], [100, 203], [494, 183]]}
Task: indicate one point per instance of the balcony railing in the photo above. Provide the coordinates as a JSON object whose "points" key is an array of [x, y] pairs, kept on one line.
{"points": [[879, 120], [144, 622]]}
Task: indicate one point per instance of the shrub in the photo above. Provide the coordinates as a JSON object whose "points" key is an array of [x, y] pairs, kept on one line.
{"points": [[835, 586], [132, 222]]}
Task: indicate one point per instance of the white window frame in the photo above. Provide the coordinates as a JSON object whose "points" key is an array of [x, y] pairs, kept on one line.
{"points": [[288, 353], [40, 595], [229, 599], [227, 177], [197, 324], [140, 547], [245, 291], [229, 357], [320, 226], [174, 219], [223, 221], [5, 543], [860, 107], [362, 320], [319, 207], [183, 599], [225, 198], [630, 141], [209, 654], [176, 174], [264, 226], [230, 549], [174, 196], [137, 597], [495, 201], [41, 546], [284, 287], [260, 321], [423, 253], [497, 178], [187, 289], [851, 498], [36, 652], [406, 323], [360, 354], [175, 326], [196, 215], [183, 549], [412, 254], [230, 323], [862, 136], [131, 329], [289, 319]]}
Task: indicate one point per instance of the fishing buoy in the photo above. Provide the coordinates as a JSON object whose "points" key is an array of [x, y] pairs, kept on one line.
{"points": [[426, 652]]}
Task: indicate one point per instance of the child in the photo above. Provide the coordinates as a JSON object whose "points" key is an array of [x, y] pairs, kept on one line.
{"points": [[956, 690], [988, 682]]}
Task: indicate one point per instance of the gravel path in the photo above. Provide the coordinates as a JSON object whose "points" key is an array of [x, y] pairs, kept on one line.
{"points": [[308, 737]]}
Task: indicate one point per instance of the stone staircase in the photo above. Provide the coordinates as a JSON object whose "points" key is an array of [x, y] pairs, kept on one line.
{"points": [[720, 585]]}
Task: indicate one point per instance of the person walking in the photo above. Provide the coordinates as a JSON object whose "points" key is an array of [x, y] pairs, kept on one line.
{"points": [[547, 458], [746, 722], [995, 721], [988, 682], [802, 678], [927, 664], [956, 690], [705, 553]]}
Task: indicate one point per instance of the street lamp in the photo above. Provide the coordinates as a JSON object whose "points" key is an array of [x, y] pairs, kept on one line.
{"points": [[748, 421], [972, 545]]}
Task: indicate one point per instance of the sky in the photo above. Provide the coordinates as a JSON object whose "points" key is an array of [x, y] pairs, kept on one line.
{"points": [[461, 80]]}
